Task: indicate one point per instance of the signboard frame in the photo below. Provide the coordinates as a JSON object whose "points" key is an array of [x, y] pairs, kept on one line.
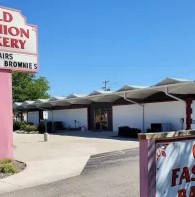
{"points": [[23, 54], [148, 157], [175, 172], [6, 67]]}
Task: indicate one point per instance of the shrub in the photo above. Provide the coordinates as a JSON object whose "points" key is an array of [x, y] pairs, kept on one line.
{"points": [[17, 125], [23, 127], [4, 161], [126, 131], [30, 128], [6, 166]]}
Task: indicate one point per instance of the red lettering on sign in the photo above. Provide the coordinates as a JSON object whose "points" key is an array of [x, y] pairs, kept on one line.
{"points": [[24, 32], [14, 43], [13, 31], [6, 42], [7, 17], [193, 172], [174, 176], [22, 43], [185, 175], [193, 150], [182, 193], [192, 191]]}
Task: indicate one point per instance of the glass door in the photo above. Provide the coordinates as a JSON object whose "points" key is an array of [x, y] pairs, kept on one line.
{"points": [[101, 119]]}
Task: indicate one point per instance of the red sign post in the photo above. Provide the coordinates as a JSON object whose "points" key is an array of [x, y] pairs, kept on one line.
{"points": [[18, 52]]}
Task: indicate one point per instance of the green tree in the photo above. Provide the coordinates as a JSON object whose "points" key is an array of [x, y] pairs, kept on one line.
{"points": [[29, 87]]}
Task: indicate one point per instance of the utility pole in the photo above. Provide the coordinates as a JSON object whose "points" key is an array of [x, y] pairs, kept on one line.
{"points": [[105, 86]]}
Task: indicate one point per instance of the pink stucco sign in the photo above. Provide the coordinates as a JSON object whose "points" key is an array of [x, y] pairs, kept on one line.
{"points": [[6, 125], [18, 52]]}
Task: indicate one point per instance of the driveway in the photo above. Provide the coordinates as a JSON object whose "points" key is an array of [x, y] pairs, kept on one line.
{"points": [[63, 156], [113, 174]]}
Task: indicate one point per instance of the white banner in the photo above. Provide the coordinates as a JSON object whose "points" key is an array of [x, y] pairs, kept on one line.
{"points": [[175, 169]]}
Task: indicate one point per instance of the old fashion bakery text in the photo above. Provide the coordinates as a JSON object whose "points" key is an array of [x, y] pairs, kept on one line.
{"points": [[11, 36]]}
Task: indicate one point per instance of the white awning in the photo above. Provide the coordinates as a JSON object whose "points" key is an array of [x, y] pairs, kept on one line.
{"points": [[170, 86]]}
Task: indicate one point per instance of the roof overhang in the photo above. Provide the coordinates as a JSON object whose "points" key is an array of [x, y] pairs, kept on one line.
{"points": [[183, 88], [111, 97]]}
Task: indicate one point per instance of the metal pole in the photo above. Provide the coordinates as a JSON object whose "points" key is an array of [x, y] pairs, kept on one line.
{"points": [[52, 121], [143, 118], [46, 135]]}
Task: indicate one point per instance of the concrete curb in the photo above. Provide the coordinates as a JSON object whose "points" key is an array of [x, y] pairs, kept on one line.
{"points": [[34, 175]]}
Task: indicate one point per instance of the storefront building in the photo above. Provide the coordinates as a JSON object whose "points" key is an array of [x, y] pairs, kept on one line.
{"points": [[166, 106]]}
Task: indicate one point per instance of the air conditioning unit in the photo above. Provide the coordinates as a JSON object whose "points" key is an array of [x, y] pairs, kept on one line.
{"points": [[160, 127]]}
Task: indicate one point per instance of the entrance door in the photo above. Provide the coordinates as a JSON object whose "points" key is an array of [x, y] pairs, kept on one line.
{"points": [[101, 119]]}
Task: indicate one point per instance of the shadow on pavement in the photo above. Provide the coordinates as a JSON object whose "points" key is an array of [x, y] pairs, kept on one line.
{"points": [[94, 134]]}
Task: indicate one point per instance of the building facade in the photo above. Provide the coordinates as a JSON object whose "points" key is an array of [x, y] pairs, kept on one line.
{"points": [[166, 106]]}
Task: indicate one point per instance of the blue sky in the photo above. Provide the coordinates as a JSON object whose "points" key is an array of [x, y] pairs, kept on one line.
{"points": [[84, 42]]}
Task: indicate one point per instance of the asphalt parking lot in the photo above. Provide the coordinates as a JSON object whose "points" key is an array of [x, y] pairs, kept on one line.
{"points": [[114, 174], [67, 151]]}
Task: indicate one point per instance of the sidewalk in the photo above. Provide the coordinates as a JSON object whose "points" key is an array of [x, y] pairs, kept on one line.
{"points": [[63, 156]]}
